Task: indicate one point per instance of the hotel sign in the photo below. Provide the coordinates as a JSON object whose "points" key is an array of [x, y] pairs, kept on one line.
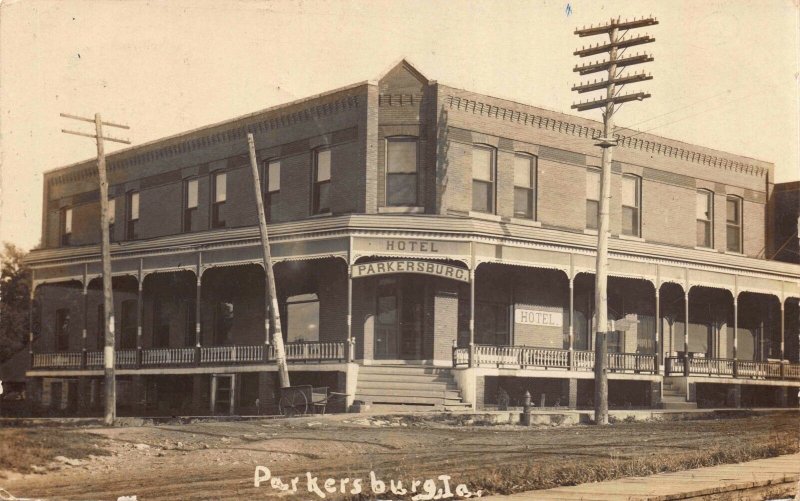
{"points": [[410, 266], [539, 317], [410, 246]]}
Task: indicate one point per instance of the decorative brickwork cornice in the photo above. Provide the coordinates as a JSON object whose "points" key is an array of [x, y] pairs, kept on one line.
{"points": [[399, 99], [626, 141], [204, 138]]}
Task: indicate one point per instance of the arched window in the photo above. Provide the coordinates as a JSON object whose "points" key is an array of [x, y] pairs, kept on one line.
{"points": [[631, 205], [733, 210], [705, 218], [483, 178], [524, 186]]}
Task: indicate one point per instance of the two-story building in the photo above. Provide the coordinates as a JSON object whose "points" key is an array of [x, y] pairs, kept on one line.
{"points": [[434, 247]]}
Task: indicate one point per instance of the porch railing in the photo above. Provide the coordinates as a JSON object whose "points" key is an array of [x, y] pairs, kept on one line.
{"points": [[65, 360], [549, 358], [187, 357], [231, 354], [168, 356], [725, 367], [312, 351]]}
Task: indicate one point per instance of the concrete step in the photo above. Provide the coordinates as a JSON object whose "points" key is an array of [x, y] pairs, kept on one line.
{"points": [[404, 370], [440, 394], [410, 378], [408, 385], [396, 399], [682, 405]]}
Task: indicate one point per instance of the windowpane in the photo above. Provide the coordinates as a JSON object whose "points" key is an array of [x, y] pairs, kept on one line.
{"points": [[323, 197], [112, 210], [592, 214], [703, 233], [401, 189], [191, 193], [302, 318], [630, 191], [482, 164], [135, 205], [68, 221], [323, 165], [630, 221], [220, 187], [482, 196], [523, 202], [732, 206], [523, 171], [593, 185], [703, 205], [274, 176], [734, 239], [402, 156]]}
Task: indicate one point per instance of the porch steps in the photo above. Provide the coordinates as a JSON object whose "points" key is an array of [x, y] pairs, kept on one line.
{"points": [[673, 397], [408, 388]]}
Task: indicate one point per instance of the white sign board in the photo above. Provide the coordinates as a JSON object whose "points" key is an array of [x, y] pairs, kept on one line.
{"points": [[539, 317]]}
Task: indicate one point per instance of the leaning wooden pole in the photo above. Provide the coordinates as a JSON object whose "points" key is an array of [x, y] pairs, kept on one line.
{"points": [[274, 314]]}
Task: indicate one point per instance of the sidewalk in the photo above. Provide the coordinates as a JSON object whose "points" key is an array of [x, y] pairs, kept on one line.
{"points": [[777, 476]]}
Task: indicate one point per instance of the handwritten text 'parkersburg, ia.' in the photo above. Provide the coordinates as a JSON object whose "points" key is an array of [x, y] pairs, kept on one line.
{"points": [[420, 490]]}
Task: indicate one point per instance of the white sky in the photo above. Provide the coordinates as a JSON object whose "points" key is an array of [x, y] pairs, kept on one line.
{"points": [[726, 72]]}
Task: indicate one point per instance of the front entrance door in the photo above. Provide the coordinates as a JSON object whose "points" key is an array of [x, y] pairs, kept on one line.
{"points": [[399, 318]]}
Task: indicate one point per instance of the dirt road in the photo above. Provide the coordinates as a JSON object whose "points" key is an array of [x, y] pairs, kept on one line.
{"points": [[214, 460]]}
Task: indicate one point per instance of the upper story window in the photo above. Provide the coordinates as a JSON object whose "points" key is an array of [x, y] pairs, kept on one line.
{"points": [[66, 225], [733, 206], [133, 215], [592, 199], [631, 205], [191, 190], [483, 178], [112, 217], [272, 184], [401, 171], [705, 218], [525, 186], [321, 189], [220, 187]]}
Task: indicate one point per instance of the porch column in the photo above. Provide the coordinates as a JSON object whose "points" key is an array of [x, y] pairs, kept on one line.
{"points": [[139, 315], [267, 317], [686, 332], [197, 318], [348, 349], [571, 320], [85, 323], [735, 334], [31, 297], [658, 348], [472, 317], [783, 330]]}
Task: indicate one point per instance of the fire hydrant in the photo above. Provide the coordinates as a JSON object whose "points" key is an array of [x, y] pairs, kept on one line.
{"points": [[525, 419]]}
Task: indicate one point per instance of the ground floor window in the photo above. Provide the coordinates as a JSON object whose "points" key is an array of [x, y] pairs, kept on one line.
{"points": [[301, 318], [491, 323], [62, 329], [223, 323]]}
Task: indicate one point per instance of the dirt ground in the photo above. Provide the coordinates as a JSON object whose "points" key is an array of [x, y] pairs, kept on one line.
{"points": [[217, 460]]}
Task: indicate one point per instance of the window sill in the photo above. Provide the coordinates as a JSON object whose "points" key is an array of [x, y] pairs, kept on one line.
{"points": [[734, 253], [409, 209], [706, 249], [589, 231], [631, 238], [321, 214], [485, 215], [526, 222]]}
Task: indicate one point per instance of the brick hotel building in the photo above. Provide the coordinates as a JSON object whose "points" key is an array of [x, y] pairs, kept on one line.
{"points": [[434, 248]]}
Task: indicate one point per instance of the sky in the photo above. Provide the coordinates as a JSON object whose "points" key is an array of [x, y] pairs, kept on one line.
{"points": [[725, 72]]}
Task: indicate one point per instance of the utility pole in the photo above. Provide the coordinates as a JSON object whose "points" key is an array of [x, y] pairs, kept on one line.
{"points": [[615, 48], [274, 314], [108, 303]]}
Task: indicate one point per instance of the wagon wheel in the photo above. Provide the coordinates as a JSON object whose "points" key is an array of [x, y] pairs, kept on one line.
{"points": [[293, 403]]}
